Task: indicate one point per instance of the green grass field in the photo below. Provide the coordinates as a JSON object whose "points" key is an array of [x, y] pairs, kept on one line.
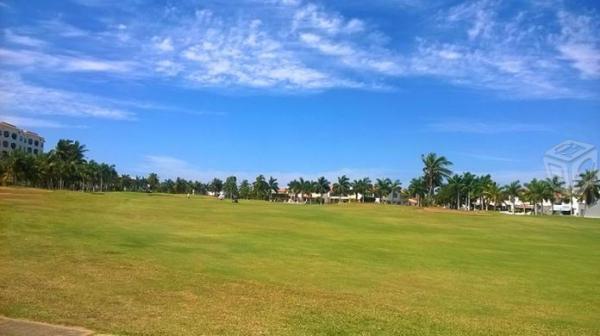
{"points": [[141, 264]]}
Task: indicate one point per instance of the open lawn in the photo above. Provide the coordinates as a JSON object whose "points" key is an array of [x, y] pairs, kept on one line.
{"points": [[154, 264]]}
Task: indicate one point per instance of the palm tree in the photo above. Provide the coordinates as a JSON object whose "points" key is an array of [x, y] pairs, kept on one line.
{"points": [[556, 185], [395, 188], [245, 189], [306, 188], [216, 186], [14, 166], [382, 187], [513, 190], [362, 186], [321, 186], [70, 155], [495, 193], [153, 181], [273, 186], [570, 193], [588, 186], [229, 187], [537, 191], [261, 187], [418, 189], [295, 188], [470, 183], [435, 170], [342, 186], [481, 184], [457, 186]]}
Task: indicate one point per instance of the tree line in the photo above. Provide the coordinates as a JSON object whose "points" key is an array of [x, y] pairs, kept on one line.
{"points": [[66, 167]]}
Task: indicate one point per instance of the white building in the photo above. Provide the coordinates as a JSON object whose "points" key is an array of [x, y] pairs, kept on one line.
{"points": [[13, 138], [576, 207]]}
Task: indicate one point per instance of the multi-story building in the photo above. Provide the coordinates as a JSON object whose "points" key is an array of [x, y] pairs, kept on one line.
{"points": [[13, 138]]}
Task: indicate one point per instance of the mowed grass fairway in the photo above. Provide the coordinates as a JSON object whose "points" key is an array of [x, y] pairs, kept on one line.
{"points": [[153, 264]]}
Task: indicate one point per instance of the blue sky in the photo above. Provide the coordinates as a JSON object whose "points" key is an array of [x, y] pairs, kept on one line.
{"points": [[290, 87]]}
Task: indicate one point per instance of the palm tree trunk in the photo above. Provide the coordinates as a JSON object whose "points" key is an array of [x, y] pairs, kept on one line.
{"points": [[458, 200]]}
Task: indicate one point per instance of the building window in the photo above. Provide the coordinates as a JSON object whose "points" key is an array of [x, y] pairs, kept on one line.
{"points": [[14, 136], [13, 145], [5, 144], [28, 149], [36, 142], [6, 134], [35, 151], [30, 141]]}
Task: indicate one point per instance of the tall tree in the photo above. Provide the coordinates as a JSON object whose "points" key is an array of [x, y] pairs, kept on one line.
{"points": [[322, 187], [273, 187], [216, 186], [494, 193], [556, 185], [230, 187], [295, 188], [588, 187], [536, 192], [418, 188], [456, 186], [260, 187], [513, 190], [153, 181], [342, 186], [435, 170], [362, 186], [382, 188], [245, 189], [70, 155], [395, 189]]}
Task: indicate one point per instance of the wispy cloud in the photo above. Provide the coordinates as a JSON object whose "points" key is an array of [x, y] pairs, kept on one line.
{"points": [[56, 26], [35, 60], [487, 157], [28, 41], [507, 176], [19, 97], [474, 127], [516, 57], [26, 122], [535, 51], [171, 167], [579, 42]]}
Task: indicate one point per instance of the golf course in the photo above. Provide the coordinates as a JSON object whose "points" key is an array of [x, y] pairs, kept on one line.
{"points": [[160, 264]]}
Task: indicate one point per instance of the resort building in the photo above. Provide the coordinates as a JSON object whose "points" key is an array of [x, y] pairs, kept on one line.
{"points": [[13, 138]]}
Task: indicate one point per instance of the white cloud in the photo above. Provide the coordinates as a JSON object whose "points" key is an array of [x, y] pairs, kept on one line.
{"points": [[25, 122], [292, 45], [487, 157], [22, 39], [317, 18], [164, 45], [219, 52], [58, 27], [485, 46], [56, 62], [168, 67], [579, 42], [19, 97], [475, 127], [170, 167]]}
